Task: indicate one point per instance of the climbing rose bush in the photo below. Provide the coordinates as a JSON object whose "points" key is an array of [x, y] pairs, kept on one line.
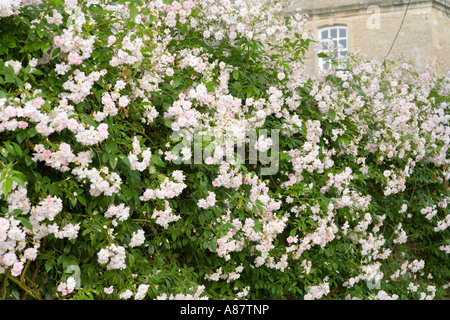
{"points": [[122, 176]]}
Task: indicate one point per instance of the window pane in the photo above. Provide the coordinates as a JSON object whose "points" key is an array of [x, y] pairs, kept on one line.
{"points": [[339, 36], [333, 33]]}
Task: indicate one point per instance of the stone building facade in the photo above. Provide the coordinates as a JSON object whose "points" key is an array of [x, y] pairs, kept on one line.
{"points": [[370, 27]]}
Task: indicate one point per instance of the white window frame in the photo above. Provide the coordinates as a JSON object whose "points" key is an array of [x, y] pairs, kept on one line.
{"points": [[339, 39]]}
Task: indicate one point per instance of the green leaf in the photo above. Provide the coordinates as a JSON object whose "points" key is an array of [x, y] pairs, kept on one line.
{"points": [[237, 86], [131, 260], [28, 161], [6, 187], [45, 47], [17, 149], [82, 201], [95, 54], [9, 79], [38, 72], [48, 265], [16, 212], [157, 161], [21, 136], [4, 152], [126, 161], [331, 115], [18, 180], [210, 86], [176, 82], [31, 132], [25, 222], [55, 52], [133, 10], [19, 82], [111, 146], [113, 161]]}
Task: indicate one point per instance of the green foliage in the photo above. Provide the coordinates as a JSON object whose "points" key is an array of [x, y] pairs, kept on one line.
{"points": [[183, 256]]}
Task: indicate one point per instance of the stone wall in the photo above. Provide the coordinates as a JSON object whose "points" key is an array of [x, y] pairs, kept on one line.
{"points": [[424, 37]]}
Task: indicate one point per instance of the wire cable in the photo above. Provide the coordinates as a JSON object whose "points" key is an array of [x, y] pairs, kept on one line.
{"points": [[398, 32], [446, 8]]}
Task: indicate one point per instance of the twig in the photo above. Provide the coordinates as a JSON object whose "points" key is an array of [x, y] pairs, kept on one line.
{"points": [[22, 277], [404, 16], [23, 287], [5, 282]]}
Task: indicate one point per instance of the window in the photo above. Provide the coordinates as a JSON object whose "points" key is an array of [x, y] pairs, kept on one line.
{"points": [[339, 36]]}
